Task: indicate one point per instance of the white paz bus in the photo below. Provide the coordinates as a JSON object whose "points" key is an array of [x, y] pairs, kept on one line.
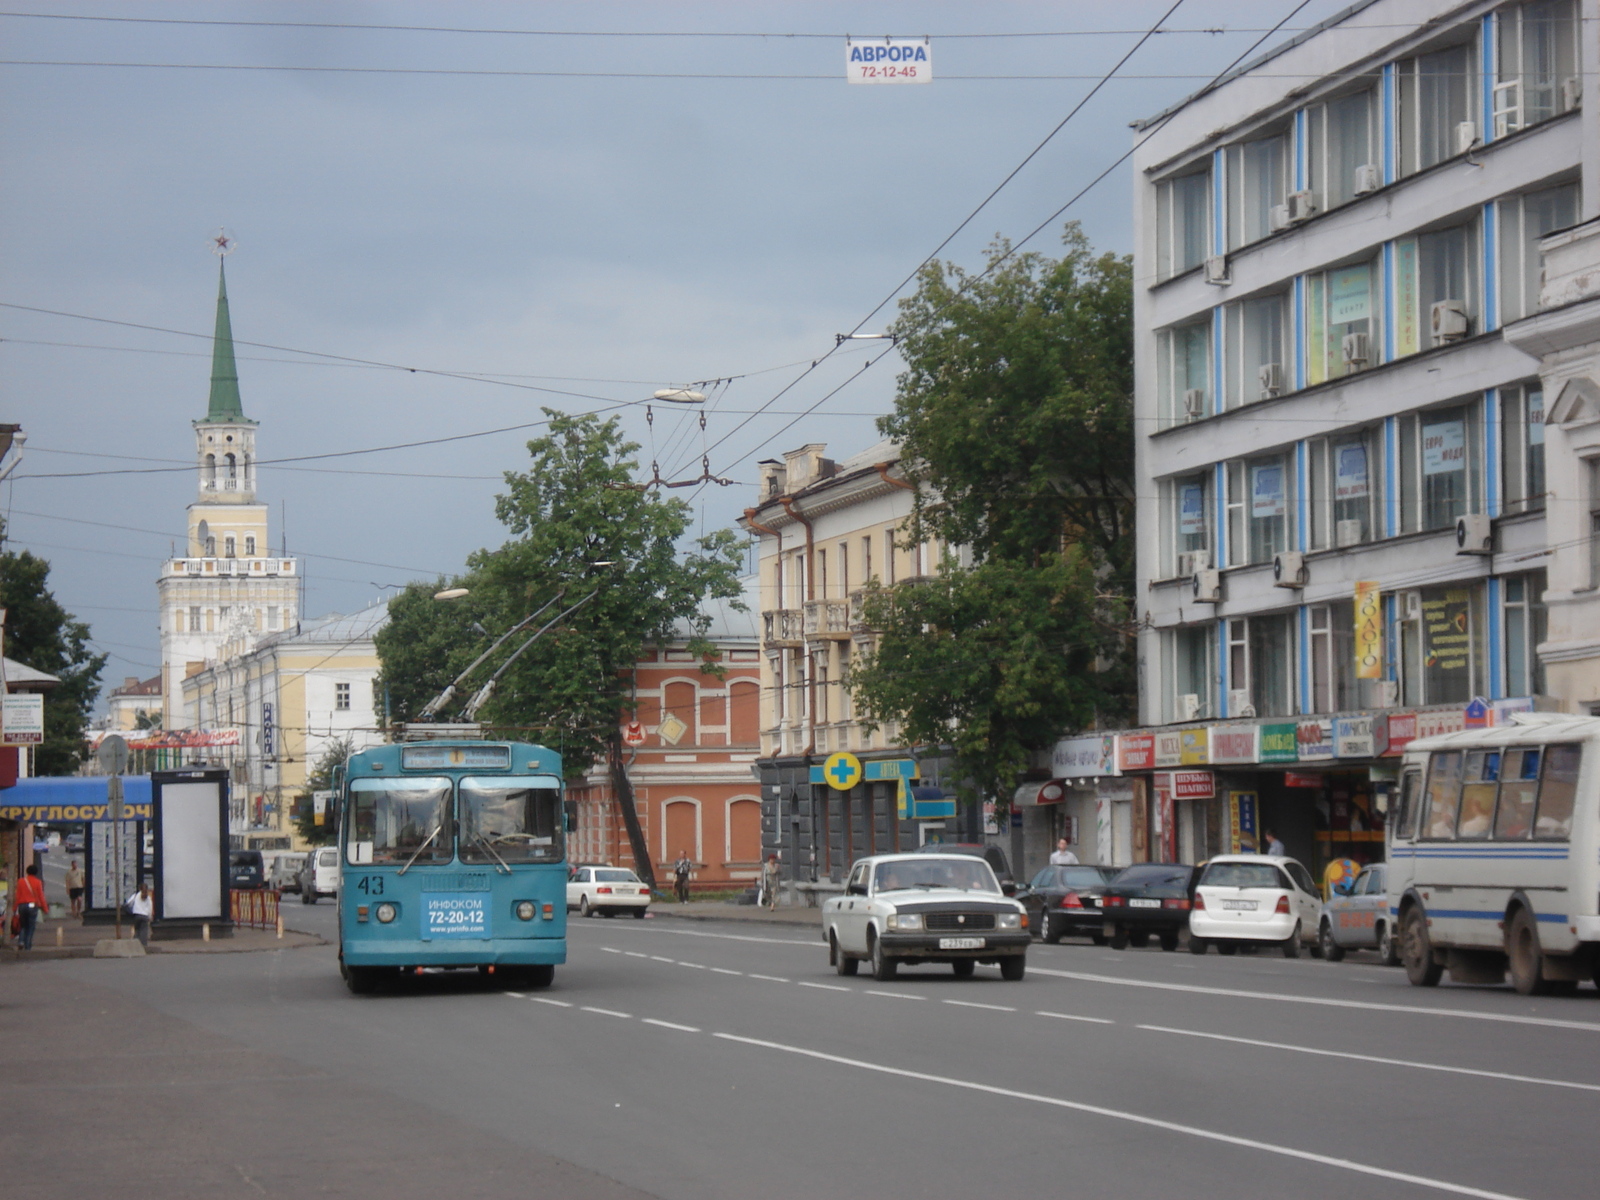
{"points": [[1494, 855]]}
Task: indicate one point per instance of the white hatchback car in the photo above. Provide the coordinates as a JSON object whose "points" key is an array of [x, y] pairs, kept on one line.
{"points": [[608, 890], [1254, 898], [319, 876]]}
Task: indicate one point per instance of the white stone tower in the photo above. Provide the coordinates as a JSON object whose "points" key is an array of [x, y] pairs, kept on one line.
{"points": [[227, 587]]}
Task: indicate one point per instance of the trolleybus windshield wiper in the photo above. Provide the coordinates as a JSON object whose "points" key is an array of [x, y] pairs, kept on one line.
{"points": [[420, 849], [484, 842]]}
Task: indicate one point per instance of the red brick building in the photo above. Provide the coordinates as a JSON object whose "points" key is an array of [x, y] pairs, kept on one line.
{"points": [[693, 778]]}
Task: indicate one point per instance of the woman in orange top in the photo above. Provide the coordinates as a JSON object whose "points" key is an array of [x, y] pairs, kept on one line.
{"points": [[30, 903]]}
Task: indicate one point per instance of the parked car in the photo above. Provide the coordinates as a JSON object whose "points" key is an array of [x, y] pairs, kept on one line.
{"points": [[993, 855], [73, 843], [1356, 917], [1255, 898], [320, 875], [246, 870], [283, 870], [1148, 899], [1065, 902], [904, 909], [607, 890]]}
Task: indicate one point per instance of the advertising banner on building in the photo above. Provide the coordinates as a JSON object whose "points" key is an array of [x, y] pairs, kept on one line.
{"points": [[1432, 724], [1352, 738], [1192, 510], [1242, 831], [1350, 472], [1191, 785], [1444, 447], [1315, 738], [1194, 747], [1234, 743], [1084, 757], [1369, 630], [1136, 751], [1169, 748], [22, 720], [1279, 743], [1402, 731], [1267, 495], [1408, 320], [1446, 624]]}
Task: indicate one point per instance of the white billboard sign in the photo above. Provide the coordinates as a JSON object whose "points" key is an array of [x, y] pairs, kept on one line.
{"points": [[889, 61]]}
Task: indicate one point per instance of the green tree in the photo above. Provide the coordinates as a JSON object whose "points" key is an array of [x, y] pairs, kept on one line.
{"points": [[41, 634], [1015, 421], [320, 780], [575, 508]]}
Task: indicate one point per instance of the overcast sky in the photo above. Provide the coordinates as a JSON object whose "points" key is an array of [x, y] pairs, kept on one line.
{"points": [[590, 233]]}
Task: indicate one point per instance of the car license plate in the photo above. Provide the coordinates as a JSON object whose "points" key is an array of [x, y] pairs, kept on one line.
{"points": [[1144, 904], [1240, 905], [961, 943]]}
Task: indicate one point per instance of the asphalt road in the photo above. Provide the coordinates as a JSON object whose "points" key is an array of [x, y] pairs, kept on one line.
{"points": [[719, 1060]]}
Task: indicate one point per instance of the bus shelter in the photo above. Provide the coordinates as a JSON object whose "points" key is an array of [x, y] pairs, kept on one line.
{"points": [[73, 799]]}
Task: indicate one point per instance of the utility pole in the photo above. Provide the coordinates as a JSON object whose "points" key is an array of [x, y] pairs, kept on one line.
{"points": [[112, 755]]}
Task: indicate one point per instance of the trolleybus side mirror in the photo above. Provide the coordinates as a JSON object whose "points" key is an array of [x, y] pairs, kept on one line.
{"points": [[569, 814]]}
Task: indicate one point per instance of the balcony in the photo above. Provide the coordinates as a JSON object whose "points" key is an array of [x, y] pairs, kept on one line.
{"points": [[827, 620], [782, 627]]}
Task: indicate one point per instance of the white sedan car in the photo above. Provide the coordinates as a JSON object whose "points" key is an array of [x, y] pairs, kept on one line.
{"points": [[1255, 898], [608, 890], [917, 908]]}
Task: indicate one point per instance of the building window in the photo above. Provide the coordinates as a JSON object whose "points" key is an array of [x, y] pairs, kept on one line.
{"points": [[1594, 522], [888, 557], [194, 618], [210, 473], [272, 616], [1341, 321], [1184, 362], [1538, 67], [249, 545], [1183, 223], [1260, 666], [1441, 645], [1436, 292], [1525, 629], [1257, 183], [1193, 677], [1440, 468], [1188, 525], [1522, 462], [866, 559], [1523, 221], [211, 546], [1258, 510], [341, 697], [227, 545], [1438, 96], [1254, 352], [844, 570], [1342, 148], [1344, 489]]}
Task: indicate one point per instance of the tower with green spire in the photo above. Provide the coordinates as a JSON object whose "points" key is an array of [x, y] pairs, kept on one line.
{"points": [[225, 438], [225, 403]]}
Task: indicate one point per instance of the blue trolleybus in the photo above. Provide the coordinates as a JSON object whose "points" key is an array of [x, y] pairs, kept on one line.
{"points": [[452, 855]]}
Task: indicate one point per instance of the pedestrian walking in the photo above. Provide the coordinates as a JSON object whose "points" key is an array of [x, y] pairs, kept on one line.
{"points": [[680, 876], [1274, 846], [769, 882], [141, 906], [1061, 856], [75, 888], [31, 904]]}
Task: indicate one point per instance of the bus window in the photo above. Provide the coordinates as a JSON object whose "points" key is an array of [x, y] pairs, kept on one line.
{"points": [[1444, 790], [1557, 791], [1405, 825], [1477, 793], [1519, 785], [399, 819], [510, 820]]}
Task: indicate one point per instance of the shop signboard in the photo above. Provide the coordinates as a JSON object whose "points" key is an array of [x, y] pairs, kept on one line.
{"points": [[1447, 629], [1279, 743], [1301, 779], [1136, 751], [1169, 748], [1478, 714], [1194, 747], [1242, 823], [1503, 709], [1352, 738], [1164, 834], [1448, 720], [1314, 739], [1233, 743], [1084, 757], [1402, 731], [1369, 631], [1193, 785], [22, 720]]}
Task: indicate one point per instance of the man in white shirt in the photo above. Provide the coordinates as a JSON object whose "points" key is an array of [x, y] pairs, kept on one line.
{"points": [[1062, 857], [1274, 846], [141, 907]]}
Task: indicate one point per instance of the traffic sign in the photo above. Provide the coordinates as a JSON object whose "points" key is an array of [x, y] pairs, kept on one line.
{"points": [[842, 770], [633, 733], [112, 754]]}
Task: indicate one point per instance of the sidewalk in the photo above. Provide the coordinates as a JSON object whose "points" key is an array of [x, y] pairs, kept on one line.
{"points": [[77, 940], [747, 914]]}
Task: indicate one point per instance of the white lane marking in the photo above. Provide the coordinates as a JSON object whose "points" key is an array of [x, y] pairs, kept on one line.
{"points": [[1369, 1005], [975, 1004], [726, 971], [658, 958], [611, 950], [769, 978], [1373, 1058], [515, 995], [1076, 1017], [606, 1012], [635, 954], [1135, 1118], [827, 987], [547, 1000], [669, 1025], [894, 995], [736, 937], [696, 966]]}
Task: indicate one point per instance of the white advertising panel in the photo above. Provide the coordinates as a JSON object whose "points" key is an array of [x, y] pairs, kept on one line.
{"points": [[889, 61], [192, 849]]}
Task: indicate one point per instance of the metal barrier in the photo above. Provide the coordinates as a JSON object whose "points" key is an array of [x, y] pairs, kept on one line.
{"points": [[257, 909]]}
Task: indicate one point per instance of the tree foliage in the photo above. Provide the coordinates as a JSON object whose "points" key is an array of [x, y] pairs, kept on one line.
{"points": [[1015, 421], [320, 780], [41, 634]]}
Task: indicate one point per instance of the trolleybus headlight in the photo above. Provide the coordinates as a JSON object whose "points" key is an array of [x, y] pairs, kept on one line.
{"points": [[386, 913], [527, 910]]}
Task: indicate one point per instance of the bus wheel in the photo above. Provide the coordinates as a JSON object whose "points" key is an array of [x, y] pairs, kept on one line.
{"points": [[1416, 949], [541, 975], [1524, 955], [361, 981]]}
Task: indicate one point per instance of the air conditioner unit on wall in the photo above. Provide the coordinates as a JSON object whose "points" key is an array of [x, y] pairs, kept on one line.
{"points": [[1194, 402], [1368, 179], [1357, 351], [1302, 206], [1191, 561], [1217, 269], [1188, 706], [1207, 586], [1474, 534], [1239, 703], [1411, 606], [1289, 569], [1278, 218], [1347, 533], [1466, 136], [1269, 377], [1571, 93], [1449, 321]]}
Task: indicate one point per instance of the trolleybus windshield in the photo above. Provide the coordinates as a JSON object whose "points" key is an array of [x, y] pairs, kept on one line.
{"points": [[399, 820], [516, 819]]}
